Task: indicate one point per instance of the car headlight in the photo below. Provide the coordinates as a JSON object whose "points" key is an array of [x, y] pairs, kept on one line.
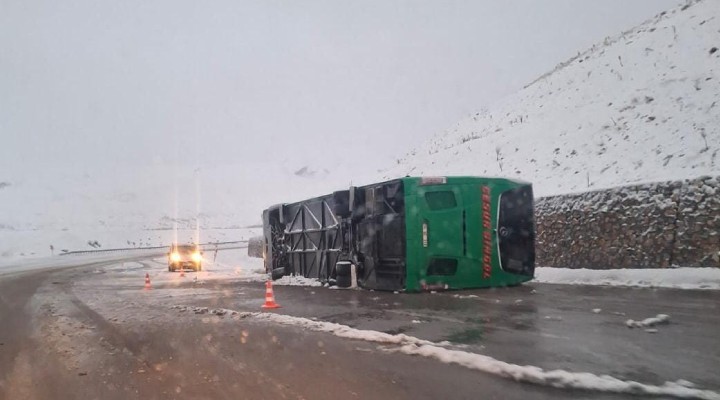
{"points": [[196, 257], [175, 257]]}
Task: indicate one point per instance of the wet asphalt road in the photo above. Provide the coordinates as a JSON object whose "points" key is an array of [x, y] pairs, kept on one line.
{"points": [[93, 332]]}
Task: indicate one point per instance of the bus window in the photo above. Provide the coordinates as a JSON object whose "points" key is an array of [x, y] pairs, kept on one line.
{"points": [[440, 200]]}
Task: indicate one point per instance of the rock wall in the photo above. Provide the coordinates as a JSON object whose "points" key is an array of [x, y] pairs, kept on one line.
{"points": [[656, 225]]}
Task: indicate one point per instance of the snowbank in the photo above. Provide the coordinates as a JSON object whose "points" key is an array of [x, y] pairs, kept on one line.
{"points": [[558, 378], [521, 373], [676, 278], [648, 322], [297, 281]]}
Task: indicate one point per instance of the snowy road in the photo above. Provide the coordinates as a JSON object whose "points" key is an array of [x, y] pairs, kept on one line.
{"points": [[93, 332]]}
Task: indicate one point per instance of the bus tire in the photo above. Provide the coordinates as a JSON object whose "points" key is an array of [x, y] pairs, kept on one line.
{"points": [[342, 268], [277, 273], [343, 281]]}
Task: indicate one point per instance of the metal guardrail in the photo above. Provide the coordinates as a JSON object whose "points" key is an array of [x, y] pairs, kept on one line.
{"points": [[204, 246]]}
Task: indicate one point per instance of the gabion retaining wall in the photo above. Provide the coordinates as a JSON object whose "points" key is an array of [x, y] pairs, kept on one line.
{"points": [[656, 225]]}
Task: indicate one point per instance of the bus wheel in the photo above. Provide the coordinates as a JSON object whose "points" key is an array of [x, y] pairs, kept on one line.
{"points": [[343, 274], [342, 268], [343, 281], [278, 273]]}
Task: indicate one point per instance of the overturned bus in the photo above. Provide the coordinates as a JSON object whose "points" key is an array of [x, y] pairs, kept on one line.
{"points": [[408, 234]]}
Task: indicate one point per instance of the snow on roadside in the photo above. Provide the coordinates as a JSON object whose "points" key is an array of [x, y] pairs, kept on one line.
{"points": [[521, 373], [465, 296], [677, 278], [648, 322], [297, 281], [343, 331], [327, 327], [558, 378]]}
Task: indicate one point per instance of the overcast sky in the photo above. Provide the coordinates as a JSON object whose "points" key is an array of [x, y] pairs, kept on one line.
{"points": [[89, 83]]}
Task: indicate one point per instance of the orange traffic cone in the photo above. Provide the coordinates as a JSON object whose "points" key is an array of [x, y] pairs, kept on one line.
{"points": [[147, 281], [269, 297]]}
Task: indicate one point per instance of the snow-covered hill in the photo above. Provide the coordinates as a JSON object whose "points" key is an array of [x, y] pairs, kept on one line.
{"points": [[642, 106]]}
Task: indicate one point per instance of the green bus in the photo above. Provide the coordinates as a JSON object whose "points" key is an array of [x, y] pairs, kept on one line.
{"points": [[411, 234]]}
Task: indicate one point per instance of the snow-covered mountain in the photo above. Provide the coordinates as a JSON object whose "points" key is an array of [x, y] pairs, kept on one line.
{"points": [[642, 106]]}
